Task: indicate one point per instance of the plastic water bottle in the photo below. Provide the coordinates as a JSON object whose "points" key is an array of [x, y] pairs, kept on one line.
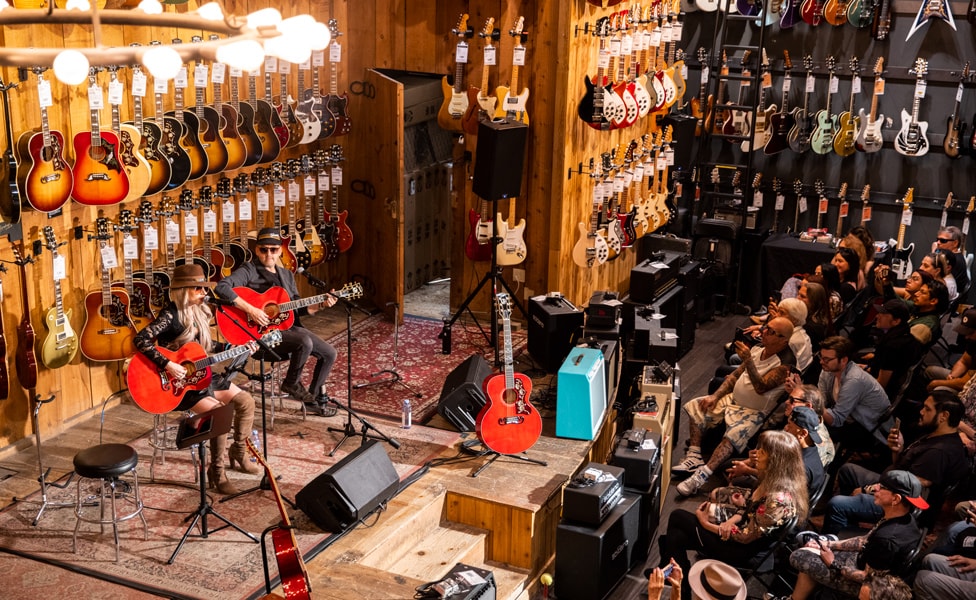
{"points": [[256, 441], [406, 419]]}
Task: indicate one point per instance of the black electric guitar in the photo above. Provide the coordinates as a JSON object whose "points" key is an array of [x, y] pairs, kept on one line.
{"points": [[783, 121], [955, 126], [10, 207]]}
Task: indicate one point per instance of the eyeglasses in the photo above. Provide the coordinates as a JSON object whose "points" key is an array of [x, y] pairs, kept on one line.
{"points": [[796, 400], [943, 240], [197, 288], [266, 249], [772, 331], [827, 359]]}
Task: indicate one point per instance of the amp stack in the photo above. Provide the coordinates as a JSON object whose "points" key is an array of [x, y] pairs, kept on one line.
{"points": [[638, 452], [599, 537]]}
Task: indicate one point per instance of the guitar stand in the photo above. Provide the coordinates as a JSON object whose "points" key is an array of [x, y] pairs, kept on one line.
{"points": [[42, 472], [221, 425], [393, 376], [494, 275], [348, 430], [496, 455]]}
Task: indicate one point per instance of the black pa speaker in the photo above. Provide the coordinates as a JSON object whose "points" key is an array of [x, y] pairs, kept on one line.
{"points": [[499, 158], [462, 397], [351, 489]]}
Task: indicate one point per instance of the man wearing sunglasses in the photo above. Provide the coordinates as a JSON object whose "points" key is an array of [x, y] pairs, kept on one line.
{"points": [[950, 240], [298, 343]]}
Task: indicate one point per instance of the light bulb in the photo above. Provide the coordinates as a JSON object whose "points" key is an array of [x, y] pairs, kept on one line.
{"points": [[294, 50], [265, 16], [162, 62], [4, 4], [71, 67], [211, 11], [78, 5], [151, 7], [319, 36], [247, 55]]}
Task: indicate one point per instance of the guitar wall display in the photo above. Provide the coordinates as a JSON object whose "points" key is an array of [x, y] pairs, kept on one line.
{"points": [[108, 332], [955, 126], [99, 178], [911, 139], [44, 177], [26, 360], [512, 101], [901, 262], [455, 97], [869, 138], [480, 104]]}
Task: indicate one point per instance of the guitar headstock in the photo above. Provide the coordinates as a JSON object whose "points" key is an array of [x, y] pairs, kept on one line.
{"points": [[351, 290], [831, 64], [462, 30], [787, 63], [335, 154], [504, 304], [909, 196], [488, 32], [602, 27], [879, 66], [277, 172], [223, 187], [724, 69], [842, 193], [334, 32], [808, 62], [921, 68], [51, 240], [777, 185], [187, 203], [855, 65], [819, 187], [606, 162], [965, 72], [146, 213], [746, 57], [668, 132], [126, 221], [102, 225], [736, 179], [242, 183], [206, 197], [764, 63], [631, 154], [702, 55], [797, 187], [167, 208], [306, 164], [20, 257], [866, 193], [972, 204], [756, 180], [518, 32]]}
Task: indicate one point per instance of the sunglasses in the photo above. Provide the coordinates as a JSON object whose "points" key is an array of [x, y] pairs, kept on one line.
{"points": [[772, 331], [266, 249], [944, 240]]}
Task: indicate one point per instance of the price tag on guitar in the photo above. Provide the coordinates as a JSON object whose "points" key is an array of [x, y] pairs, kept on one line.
{"points": [[866, 214], [780, 202], [822, 206], [130, 247], [906, 215], [757, 199], [150, 238], [60, 272], [109, 260], [844, 208], [802, 204]]}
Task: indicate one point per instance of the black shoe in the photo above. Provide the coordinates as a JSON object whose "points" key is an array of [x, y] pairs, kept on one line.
{"points": [[297, 391], [320, 410]]}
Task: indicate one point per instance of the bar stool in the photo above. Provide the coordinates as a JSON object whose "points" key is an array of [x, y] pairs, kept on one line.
{"points": [[162, 439], [108, 463], [273, 388]]}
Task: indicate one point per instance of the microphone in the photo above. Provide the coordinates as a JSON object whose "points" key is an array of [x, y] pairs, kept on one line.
{"points": [[214, 300], [315, 281]]}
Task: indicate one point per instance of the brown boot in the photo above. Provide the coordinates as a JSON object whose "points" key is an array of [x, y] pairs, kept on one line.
{"points": [[217, 478], [243, 422]]}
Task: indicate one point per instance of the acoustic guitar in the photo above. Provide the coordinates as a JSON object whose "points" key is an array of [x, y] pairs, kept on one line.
{"points": [[154, 391], [44, 177], [158, 281], [233, 141], [291, 567], [26, 361], [277, 305], [508, 423], [140, 294], [108, 332], [191, 126], [99, 178], [137, 168], [151, 138], [263, 125], [283, 104], [209, 118], [4, 378]]}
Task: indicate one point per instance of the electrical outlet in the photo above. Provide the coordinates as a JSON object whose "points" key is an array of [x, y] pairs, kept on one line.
{"points": [[518, 275]]}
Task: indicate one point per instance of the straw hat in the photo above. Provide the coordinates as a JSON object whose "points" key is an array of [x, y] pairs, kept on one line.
{"points": [[189, 276], [714, 580]]}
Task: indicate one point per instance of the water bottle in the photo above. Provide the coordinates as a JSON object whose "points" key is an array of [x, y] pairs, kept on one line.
{"points": [[406, 419], [256, 442]]}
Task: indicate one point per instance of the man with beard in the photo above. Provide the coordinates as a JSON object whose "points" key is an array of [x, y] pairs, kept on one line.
{"points": [[854, 399], [938, 459], [896, 350]]}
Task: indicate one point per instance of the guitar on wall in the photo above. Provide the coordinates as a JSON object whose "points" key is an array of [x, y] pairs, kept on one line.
{"points": [[911, 139], [847, 123], [822, 139], [591, 248], [511, 103], [61, 343], [508, 423], [782, 122], [280, 127], [137, 168], [455, 99], [190, 138], [150, 139], [592, 106], [291, 568], [108, 332], [842, 210], [326, 229], [344, 236], [305, 227], [209, 117], [158, 281], [283, 104], [510, 249], [140, 294], [955, 126], [799, 135], [337, 102], [869, 138], [480, 104], [901, 262], [44, 177], [10, 203], [26, 361], [154, 391], [277, 305], [99, 178]]}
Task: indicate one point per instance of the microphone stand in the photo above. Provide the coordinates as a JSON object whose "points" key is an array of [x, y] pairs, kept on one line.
{"points": [[391, 374], [348, 430], [265, 351]]}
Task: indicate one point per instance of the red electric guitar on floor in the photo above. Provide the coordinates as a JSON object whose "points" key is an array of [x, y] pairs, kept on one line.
{"points": [[508, 423]]}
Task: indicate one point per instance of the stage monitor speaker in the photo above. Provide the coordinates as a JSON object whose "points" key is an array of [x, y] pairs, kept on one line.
{"points": [[351, 489], [462, 397], [590, 561], [499, 158]]}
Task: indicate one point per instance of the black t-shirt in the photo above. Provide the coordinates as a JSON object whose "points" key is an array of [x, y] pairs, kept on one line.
{"points": [[889, 544], [896, 351], [814, 469], [940, 459]]}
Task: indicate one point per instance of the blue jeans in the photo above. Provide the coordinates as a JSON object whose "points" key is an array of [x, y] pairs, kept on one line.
{"points": [[847, 510]]}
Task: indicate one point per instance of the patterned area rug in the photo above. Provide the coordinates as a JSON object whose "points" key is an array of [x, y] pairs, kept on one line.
{"points": [[419, 361], [225, 564]]}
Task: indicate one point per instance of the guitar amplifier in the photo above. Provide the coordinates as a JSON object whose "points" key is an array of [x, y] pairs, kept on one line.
{"points": [[641, 464], [465, 582], [554, 324], [581, 395], [593, 493], [603, 310], [611, 367], [649, 244], [653, 276]]}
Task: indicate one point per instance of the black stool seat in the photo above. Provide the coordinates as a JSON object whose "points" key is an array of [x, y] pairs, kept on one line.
{"points": [[105, 461]]}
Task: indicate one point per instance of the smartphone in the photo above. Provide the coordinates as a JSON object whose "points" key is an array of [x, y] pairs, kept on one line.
{"points": [[667, 571], [897, 426]]}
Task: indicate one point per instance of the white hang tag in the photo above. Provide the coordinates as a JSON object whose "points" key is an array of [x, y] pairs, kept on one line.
{"points": [[181, 80], [802, 201], [209, 221], [263, 200], [200, 75], [227, 212], [336, 176], [757, 199], [95, 100], [293, 191], [279, 195], [244, 209], [138, 84], [323, 181], [150, 238], [191, 228], [130, 247], [109, 259], [335, 52], [518, 56], [270, 64], [115, 92], [172, 232], [160, 86], [906, 216], [490, 56], [309, 183], [60, 272], [217, 72]]}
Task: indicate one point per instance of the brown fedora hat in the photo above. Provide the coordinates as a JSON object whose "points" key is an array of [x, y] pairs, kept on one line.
{"points": [[185, 276]]}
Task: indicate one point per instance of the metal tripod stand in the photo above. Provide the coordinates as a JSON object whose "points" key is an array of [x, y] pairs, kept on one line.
{"points": [[392, 375]]}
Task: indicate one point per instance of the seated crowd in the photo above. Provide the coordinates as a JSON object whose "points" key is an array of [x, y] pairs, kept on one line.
{"points": [[832, 425]]}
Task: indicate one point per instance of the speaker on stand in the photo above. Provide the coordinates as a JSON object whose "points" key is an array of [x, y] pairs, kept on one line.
{"points": [[462, 397]]}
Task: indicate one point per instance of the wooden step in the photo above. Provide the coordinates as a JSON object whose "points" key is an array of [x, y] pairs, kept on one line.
{"points": [[352, 581], [433, 556]]}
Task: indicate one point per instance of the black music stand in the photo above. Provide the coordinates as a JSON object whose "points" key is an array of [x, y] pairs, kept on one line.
{"points": [[391, 374], [196, 431]]}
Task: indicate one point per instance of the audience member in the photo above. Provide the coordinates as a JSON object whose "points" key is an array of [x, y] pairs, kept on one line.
{"points": [[951, 239], [742, 401], [820, 323], [656, 579], [931, 300], [896, 350], [963, 369], [854, 243], [884, 284], [796, 311], [855, 400], [881, 585], [936, 264], [951, 577]]}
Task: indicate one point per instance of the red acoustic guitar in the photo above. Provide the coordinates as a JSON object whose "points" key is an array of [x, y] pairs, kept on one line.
{"points": [[99, 178], [277, 306], [291, 568], [508, 423], [153, 390]]}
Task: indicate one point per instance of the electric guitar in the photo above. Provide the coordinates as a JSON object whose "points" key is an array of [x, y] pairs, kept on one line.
{"points": [[508, 423], [869, 138], [344, 236], [311, 126], [881, 25], [477, 246], [237, 149], [779, 204], [625, 89], [291, 568], [790, 16], [860, 13], [702, 105], [944, 220], [512, 105], [835, 12], [623, 209], [592, 106], [901, 262], [931, 9], [737, 124], [291, 237], [639, 43], [108, 332], [609, 225], [158, 281], [971, 12], [665, 211], [151, 138], [847, 123], [4, 376], [782, 122], [26, 361], [208, 119], [327, 230], [277, 305], [334, 100], [510, 249], [10, 203], [305, 226], [761, 129], [481, 105], [286, 258], [317, 104], [44, 177], [274, 115], [234, 254], [190, 140], [799, 136], [156, 392], [99, 178], [591, 248], [811, 11], [139, 292], [283, 104], [865, 209], [716, 115], [822, 139], [955, 126], [455, 100], [263, 126], [842, 211], [137, 168], [911, 139]]}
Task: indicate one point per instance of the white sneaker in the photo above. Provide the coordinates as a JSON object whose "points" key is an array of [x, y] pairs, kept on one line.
{"points": [[690, 463], [690, 486]]}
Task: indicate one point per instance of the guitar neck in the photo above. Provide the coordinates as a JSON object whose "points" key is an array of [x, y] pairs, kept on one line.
{"points": [[303, 302], [213, 359], [507, 356]]}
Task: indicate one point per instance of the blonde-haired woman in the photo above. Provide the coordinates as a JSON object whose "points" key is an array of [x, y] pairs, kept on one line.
{"points": [[187, 319]]}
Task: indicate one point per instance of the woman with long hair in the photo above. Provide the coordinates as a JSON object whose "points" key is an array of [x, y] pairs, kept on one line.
{"points": [[820, 321], [780, 495], [937, 265], [187, 319], [849, 269]]}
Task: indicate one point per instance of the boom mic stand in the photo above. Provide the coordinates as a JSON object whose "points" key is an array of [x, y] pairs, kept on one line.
{"points": [[348, 430], [393, 376]]}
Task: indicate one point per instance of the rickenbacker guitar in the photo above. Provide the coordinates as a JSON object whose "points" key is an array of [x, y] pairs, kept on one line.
{"points": [[337, 102], [955, 126], [154, 391], [847, 123], [625, 89], [591, 248], [901, 262], [99, 178], [291, 568], [4, 377], [108, 332], [26, 361], [869, 137], [277, 305], [591, 108], [508, 423], [911, 139], [782, 122], [455, 99], [480, 104], [511, 101], [822, 139], [44, 177]]}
